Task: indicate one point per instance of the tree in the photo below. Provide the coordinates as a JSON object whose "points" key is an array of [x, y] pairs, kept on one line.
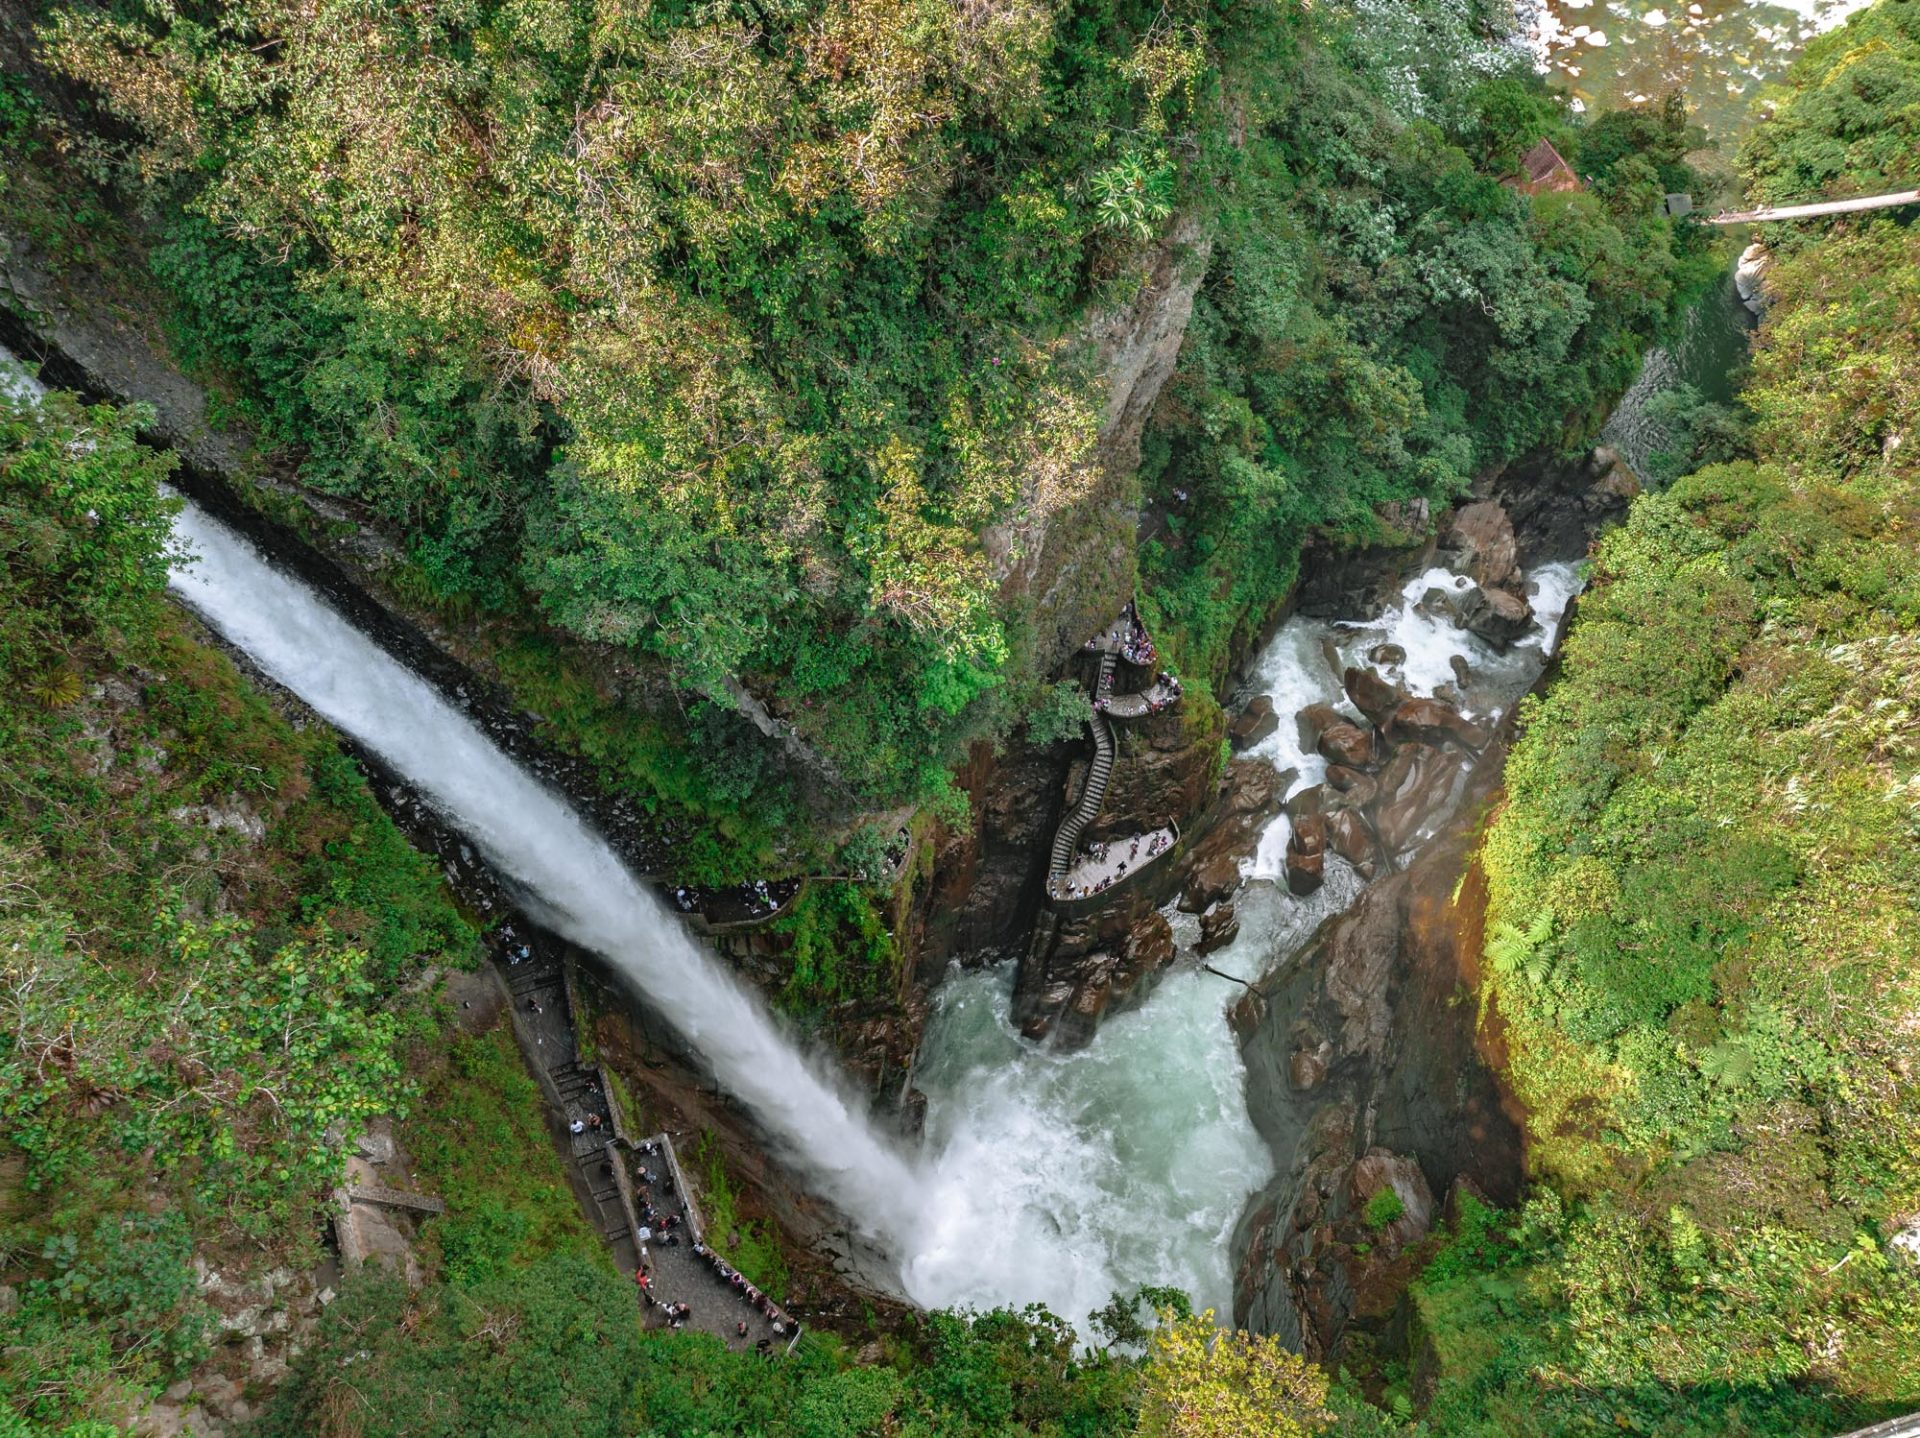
{"points": [[1201, 1382]]}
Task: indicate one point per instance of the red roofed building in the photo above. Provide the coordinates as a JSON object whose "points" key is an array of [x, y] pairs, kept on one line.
{"points": [[1542, 168]]}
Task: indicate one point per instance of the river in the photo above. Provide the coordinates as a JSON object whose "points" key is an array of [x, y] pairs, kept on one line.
{"points": [[1128, 1162], [1718, 53]]}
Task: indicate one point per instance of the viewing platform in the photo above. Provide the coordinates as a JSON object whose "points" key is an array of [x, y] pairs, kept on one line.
{"points": [[1107, 865]]}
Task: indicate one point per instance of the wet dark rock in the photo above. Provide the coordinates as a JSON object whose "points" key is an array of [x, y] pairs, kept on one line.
{"points": [[1439, 603], [1430, 721], [1216, 879], [1481, 541], [1372, 695], [1349, 836], [1414, 785], [1310, 800], [1307, 1067], [1462, 671], [1306, 859], [1337, 582], [1309, 835], [1219, 926], [1254, 723], [1495, 615], [1150, 942], [1363, 1076], [1347, 744], [1381, 1170], [1355, 787], [1387, 655]]}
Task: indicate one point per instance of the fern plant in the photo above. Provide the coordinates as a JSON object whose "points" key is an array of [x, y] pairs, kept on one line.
{"points": [[1513, 950]]}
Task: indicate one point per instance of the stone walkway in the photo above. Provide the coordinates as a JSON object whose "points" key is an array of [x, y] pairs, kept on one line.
{"points": [[633, 1191]]}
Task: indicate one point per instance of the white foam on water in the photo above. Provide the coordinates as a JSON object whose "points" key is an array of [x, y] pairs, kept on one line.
{"points": [[1065, 1177]]}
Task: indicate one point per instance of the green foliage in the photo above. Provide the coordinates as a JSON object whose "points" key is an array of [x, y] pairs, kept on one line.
{"points": [[1383, 1208], [550, 1348], [1060, 716], [747, 348], [1853, 124], [750, 1245], [1382, 319], [837, 945], [1703, 887], [477, 1134], [957, 1376], [202, 913]]}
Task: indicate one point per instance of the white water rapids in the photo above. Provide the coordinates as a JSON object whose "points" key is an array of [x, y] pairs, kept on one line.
{"points": [[1067, 1176], [1048, 1177]]}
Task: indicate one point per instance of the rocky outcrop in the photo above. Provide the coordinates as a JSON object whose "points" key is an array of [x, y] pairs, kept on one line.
{"points": [[1557, 506], [1480, 544], [1254, 723], [1750, 278], [1071, 567], [989, 877], [1339, 580], [1432, 721], [1496, 615], [1136, 347], [1364, 1077], [1306, 858]]}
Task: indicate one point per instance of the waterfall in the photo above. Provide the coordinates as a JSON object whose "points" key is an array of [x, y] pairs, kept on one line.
{"points": [[560, 870]]}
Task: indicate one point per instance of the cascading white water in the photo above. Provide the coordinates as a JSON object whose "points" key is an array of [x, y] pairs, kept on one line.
{"points": [[1063, 1177], [565, 873], [561, 870]]}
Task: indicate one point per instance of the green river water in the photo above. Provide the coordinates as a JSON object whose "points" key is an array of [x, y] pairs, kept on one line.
{"points": [[1720, 53]]}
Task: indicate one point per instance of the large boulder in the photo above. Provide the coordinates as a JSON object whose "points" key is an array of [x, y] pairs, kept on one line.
{"points": [[1430, 721], [1306, 860], [1381, 1170], [1750, 277], [1347, 744], [1309, 835], [1372, 695], [1616, 485], [1253, 723], [1355, 788], [1349, 836], [1412, 788], [1305, 873], [1495, 615], [1215, 878], [1219, 926], [1482, 543], [1149, 943]]}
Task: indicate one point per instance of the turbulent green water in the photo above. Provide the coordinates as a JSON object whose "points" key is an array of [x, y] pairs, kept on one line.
{"points": [[1720, 53]]}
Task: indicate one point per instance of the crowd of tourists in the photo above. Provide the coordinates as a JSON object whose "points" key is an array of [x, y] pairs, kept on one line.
{"points": [[776, 1316], [1157, 843]]}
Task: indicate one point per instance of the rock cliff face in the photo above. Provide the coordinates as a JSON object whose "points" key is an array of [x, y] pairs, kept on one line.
{"points": [[1072, 570], [1364, 1075], [1072, 574]]}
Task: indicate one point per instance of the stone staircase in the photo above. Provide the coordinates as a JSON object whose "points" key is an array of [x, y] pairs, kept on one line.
{"points": [[1094, 793]]}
